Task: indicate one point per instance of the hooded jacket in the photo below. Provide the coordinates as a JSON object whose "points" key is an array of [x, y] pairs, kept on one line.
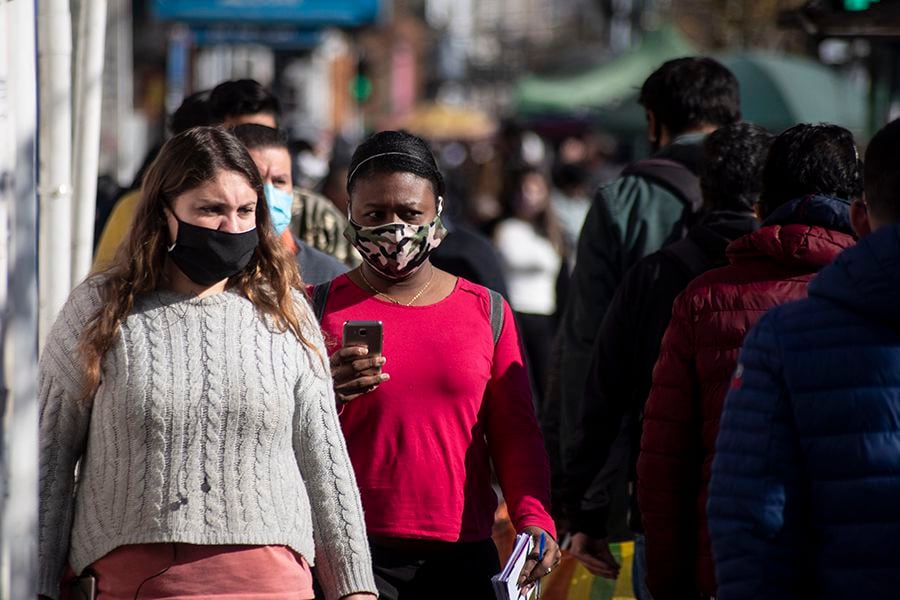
{"points": [[768, 267], [806, 483], [622, 362], [630, 218]]}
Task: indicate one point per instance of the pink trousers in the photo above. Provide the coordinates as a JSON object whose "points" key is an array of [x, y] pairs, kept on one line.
{"points": [[200, 573]]}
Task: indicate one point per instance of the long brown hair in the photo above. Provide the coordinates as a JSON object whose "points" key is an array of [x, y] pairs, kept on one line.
{"points": [[545, 222], [185, 162]]}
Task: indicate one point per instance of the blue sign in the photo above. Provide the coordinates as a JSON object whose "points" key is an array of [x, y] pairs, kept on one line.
{"points": [[308, 13], [277, 38]]}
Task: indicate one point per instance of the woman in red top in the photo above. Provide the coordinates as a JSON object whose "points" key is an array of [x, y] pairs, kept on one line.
{"points": [[425, 419]]}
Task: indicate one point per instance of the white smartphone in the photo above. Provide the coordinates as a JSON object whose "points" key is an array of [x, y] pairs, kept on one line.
{"points": [[364, 333]]}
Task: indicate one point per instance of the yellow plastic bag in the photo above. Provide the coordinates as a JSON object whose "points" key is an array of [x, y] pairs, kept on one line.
{"points": [[570, 580]]}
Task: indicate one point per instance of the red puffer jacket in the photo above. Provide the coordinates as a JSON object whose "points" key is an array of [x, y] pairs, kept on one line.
{"points": [[681, 419]]}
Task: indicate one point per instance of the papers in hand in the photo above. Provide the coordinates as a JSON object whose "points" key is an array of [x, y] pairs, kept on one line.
{"points": [[506, 581]]}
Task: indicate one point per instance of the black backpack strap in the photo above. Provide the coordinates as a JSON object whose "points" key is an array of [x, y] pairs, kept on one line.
{"points": [[320, 298], [496, 314], [672, 175]]}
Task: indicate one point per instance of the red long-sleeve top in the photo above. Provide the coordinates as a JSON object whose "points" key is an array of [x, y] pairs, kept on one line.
{"points": [[421, 442]]}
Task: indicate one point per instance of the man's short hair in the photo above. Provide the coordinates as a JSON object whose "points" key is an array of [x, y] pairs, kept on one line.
{"points": [[193, 112], [242, 97], [882, 173], [690, 92], [258, 137], [811, 159], [733, 159]]}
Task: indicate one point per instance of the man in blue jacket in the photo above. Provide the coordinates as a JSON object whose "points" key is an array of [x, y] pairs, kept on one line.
{"points": [[805, 493]]}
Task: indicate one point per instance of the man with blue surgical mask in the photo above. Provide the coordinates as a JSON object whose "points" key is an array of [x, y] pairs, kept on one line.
{"points": [[269, 149], [277, 183]]}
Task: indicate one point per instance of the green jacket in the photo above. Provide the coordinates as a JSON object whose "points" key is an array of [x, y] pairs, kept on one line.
{"points": [[630, 218]]}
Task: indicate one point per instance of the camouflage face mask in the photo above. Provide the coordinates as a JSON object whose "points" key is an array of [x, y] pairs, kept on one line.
{"points": [[396, 250]]}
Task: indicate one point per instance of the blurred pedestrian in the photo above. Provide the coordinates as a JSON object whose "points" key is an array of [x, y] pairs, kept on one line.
{"points": [[468, 253], [811, 175], [188, 383], [570, 201], [806, 480], [269, 149], [465, 251], [448, 395], [530, 245], [308, 168], [651, 205], [193, 112], [628, 342], [507, 151]]}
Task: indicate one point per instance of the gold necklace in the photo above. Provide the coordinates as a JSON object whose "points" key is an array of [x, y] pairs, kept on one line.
{"points": [[394, 300]]}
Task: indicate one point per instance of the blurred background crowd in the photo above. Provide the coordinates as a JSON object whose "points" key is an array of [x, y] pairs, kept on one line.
{"points": [[528, 105], [496, 86]]}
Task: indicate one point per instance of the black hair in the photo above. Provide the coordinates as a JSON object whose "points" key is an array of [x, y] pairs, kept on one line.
{"points": [[733, 159], [193, 112], [811, 159], [510, 196], [569, 176], [511, 186], [689, 92], [882, 177], [402, 152], [299, 146], [255, 136], [242, 97]]}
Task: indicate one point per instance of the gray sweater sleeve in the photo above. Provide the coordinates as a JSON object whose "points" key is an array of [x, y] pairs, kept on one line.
{"points": [[343, 561], [64, 419]]}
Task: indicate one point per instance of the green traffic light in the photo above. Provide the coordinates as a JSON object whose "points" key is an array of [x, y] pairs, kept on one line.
{"points": [[858, 5], [361, 88]]}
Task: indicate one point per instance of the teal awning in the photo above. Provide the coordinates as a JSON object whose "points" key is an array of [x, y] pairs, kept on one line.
{"points": [[605, 86], [777, 91]]}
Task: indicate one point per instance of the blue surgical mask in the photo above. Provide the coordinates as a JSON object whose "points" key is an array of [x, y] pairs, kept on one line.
{"points": [[280, 203]]}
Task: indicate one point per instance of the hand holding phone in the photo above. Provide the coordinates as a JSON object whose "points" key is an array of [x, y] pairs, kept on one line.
{"points": [[356, 367], [364, 333]]}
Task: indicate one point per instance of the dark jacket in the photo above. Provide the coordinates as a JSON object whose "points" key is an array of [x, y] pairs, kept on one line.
{"points": [[622, 362], [469, 254], [768, 267], [630, 218], [316, 266], [805, 492]]}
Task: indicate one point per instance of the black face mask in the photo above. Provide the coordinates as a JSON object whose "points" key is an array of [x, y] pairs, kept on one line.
{"points": [[208, 256]]}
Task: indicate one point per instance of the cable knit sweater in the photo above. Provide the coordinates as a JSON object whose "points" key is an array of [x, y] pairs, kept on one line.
{"points": [[209, 427]]}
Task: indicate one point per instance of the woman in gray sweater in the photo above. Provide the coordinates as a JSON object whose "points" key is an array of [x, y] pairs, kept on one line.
{"points": [[189, 384]]}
